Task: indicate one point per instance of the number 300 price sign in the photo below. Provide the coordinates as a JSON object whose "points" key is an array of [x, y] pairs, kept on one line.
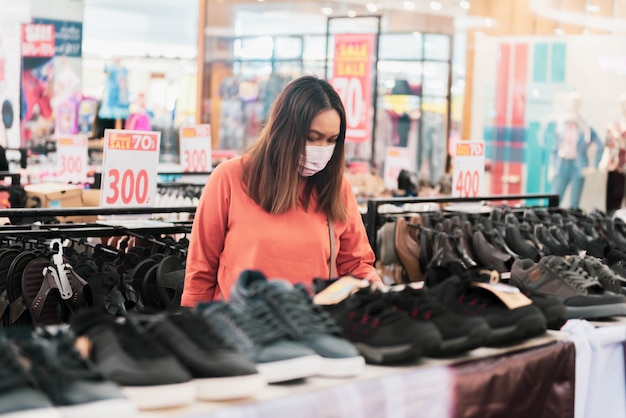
{"points": [[469, 169], [129, 168], [72, 158], [195, 148]]}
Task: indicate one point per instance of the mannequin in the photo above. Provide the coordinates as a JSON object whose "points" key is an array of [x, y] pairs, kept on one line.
{"points": [[115, 104], [614, 159], [569, 158]]}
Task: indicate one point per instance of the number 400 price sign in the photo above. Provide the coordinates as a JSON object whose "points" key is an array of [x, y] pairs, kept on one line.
{"points": [[129, 168], [469, 169]]}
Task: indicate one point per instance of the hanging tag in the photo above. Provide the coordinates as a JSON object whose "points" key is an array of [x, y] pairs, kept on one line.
{"points": [[59, 274], [339, 290], [509, 295]]}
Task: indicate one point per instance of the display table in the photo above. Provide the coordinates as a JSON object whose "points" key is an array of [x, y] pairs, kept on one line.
{"points": [[535, 378]]}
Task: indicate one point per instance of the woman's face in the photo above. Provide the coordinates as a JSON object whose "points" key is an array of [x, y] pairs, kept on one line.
{"points": [[324, 129]]}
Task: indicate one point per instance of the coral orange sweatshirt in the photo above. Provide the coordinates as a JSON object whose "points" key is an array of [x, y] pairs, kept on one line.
{"points": [[231, 233]]}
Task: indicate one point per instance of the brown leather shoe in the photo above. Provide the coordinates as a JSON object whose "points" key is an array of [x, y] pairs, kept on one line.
{"points": [[408, 250]]}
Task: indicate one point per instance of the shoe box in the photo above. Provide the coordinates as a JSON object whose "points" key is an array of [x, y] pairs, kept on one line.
{"points": [[58, 195], [91, 198]]}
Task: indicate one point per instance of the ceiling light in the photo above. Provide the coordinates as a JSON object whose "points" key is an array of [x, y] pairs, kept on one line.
{"points": [[327, 11], [260, 1], [372, 7], [464, 4], [592, 8], [559, 31], [488, 22], [409, 5], [435, 5], [351, 13]]}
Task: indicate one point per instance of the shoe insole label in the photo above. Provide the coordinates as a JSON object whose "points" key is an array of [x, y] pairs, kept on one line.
{"points": [[339, 290], [509, 295]]}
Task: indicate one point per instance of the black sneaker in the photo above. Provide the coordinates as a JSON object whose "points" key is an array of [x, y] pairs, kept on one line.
{"points": [[458, 293], [73, 384], [149, 374], [220, 372], [381, 333], [19, 396], [583, 296], [305, 322], [259, 335], [459, 333]]}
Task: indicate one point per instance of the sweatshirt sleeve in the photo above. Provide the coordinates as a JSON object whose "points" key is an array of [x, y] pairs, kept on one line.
{"points": [[207, 239], [355, 256]]}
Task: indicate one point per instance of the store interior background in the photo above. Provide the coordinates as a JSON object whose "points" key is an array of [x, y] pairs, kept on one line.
{"points": [[452, 53]]}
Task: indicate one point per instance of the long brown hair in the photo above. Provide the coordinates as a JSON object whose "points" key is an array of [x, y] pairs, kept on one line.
{"points": [[271, 172]]}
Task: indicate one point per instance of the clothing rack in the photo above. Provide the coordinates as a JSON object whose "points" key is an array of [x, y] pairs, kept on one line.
{"points": [[94, 229], [373, 218]]}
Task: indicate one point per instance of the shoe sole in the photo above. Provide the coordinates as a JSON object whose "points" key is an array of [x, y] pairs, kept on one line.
{"points": [[290, 369], [229, 388], [34, 413], [342, 367], [402, 353], [119, 408], [595, 311], [477, 338], [161, 396], [527, 327]]}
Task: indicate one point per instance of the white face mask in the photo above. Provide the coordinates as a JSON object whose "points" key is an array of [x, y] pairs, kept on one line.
{"points": [[315, 159]]}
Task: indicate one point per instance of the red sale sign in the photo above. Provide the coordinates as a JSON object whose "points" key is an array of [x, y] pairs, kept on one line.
{"points": [[38, 40], [129, 168], [352, 78]]}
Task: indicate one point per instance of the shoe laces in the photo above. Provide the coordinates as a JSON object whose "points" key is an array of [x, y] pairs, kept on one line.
{"points": [[416, 302], [573, 272], [367, 304], [297, 310], [198, 330], [257, 323]]}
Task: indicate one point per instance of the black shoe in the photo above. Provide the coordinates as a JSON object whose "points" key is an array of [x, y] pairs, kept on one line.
{"points": [[458, 293], [583, 296], [459, 333], [73, 384], [19, 395], [382, 334], [150, 375], [220, 372], [547, 239]]}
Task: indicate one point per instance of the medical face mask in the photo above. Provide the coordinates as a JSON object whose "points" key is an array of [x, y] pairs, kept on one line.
{"points": [[315, 159]]}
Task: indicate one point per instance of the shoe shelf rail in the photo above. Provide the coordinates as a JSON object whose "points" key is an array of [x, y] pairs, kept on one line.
{"points": [[373, 219], [91, 229]]}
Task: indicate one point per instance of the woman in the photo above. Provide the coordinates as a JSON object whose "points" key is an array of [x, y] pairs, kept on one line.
{"points": [[269, 209]]}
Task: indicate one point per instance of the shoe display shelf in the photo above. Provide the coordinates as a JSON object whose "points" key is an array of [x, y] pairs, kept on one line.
{"points": [[513, 381], [374, 219]]}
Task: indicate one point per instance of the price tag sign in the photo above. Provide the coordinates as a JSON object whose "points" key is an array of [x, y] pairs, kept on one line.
{"points": [[72, 158], [352, 79], [129, 168], [469, 169], [195, 148], [396, 160]]}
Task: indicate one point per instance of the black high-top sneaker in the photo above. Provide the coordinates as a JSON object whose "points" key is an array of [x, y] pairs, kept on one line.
{"points": [[220, 372], [19, 394], [150, 375], [457, 291], [73, 384], [382, 333], [459, 333]]}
